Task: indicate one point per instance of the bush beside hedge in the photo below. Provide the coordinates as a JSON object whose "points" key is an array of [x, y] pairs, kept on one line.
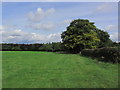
{"points": [[107, 54]]}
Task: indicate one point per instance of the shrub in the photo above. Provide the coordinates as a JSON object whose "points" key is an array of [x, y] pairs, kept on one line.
{"points": [[107, 54]]}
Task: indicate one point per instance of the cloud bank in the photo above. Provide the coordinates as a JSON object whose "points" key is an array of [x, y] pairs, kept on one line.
{"points": [[19, 36]]}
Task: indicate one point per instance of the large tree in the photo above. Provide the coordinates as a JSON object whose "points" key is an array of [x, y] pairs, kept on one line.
{"points": [[80, 34]]}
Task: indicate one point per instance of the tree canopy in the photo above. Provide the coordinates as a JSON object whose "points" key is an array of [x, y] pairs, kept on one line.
{"points": [[82, 34], [104, 38]]}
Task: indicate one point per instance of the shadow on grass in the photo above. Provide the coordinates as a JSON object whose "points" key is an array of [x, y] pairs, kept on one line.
{"points": [[101, 59], [63, 52]]}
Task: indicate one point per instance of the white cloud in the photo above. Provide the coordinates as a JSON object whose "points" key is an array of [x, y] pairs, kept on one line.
{"points": [[55, 37], [37, 37], [42, 26], [67, 21], [111, 28], [50, 11], [1, 27], [19, 36], [115, 36], [39, 14], [49, 25], [103, 8]]}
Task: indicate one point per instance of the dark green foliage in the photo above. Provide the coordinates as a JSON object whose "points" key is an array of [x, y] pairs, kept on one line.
{"points": [[104, 38], [115, 44], [20, 47], [80, 34], [107, 54], [46, 47], [56, 46]]}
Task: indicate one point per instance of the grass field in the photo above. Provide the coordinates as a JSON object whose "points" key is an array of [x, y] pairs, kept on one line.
{"points": [[27, 69]]}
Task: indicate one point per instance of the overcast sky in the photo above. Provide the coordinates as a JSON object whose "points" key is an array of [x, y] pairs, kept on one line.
{"points": [[41, 22]]}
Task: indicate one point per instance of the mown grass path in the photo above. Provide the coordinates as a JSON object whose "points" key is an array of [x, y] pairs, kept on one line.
{"points": [[28, 69]]}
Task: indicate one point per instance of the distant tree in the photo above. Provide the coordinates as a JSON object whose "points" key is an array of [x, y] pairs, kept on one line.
{"points": [[57, 46], [46, 47], [80, 34]]}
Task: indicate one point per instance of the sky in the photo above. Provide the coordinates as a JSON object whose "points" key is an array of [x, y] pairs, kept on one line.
{"points": [[42, 22]]}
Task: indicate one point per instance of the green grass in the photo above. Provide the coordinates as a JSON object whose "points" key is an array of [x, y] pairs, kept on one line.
{"points": [[27, 69], [1, 70]]}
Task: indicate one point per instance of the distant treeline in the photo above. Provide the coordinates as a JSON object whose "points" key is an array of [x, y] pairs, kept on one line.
{"points": [[55, 46]]}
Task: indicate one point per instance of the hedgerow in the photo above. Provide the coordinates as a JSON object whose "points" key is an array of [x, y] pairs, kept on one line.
{"points": [[107, 54]]}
